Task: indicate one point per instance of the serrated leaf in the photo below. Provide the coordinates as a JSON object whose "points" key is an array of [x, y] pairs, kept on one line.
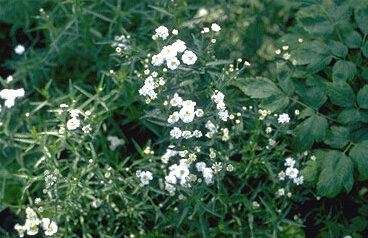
{"points": [[258, 87], [359, 155], [343, 71], [309, 131], [352, 39], [336, 174], [314, 21], [276, 102], [284, 71], [314, 97], [349, 115], [361, 18], [337, 48], [341, 94], [362, 97], [337, 137], [339, 12]]}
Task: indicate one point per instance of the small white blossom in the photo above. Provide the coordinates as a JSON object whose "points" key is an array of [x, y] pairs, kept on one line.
{"points": [[290, 162], [87, 129], [19, 49], [283, 118], [189, 57], [179, 45], [215, 27], [291, 172], [173, 118], [162, 32], [145, 177], [73, 124], [173, 63], [175, 133], [299, 180]]}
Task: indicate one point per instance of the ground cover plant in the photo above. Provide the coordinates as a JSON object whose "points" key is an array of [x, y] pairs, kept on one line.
{"points": [[244, 118]]}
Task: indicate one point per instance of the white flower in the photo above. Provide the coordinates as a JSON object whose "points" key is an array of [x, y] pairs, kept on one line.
{"points": [[175, 32], [197, 133], [280, 192], [189, 104], [20, 229], [180, 46], [9, 79], [200, 166], [169, 187], [51, 229], [199, 112], [173, 118], [73, 124], [146, 89], [115, 142], [50, 180], [207, 175], [215, 27], [282, 175], [32, 226], [187, 114], [175, 133], [283, 118], [218, 97], [9, 95], [170, 178], [168, 52], [87, 129], [162, 32], [173, 63], [145, 177], [181, 171], [30, 213], [217, 167], [186, 134], [290, 162], [299, 180], [189, 57], [19, 49], [224, 115], [291, 172], [157, 60], [176, 101], [74, 112]]}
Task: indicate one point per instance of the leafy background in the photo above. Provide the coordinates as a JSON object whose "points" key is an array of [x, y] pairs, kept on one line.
{"points": [[69, 57]]}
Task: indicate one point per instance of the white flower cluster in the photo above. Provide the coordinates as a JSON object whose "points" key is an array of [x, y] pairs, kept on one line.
{"points": [[32, 222], [291, 172], [9, 95], [74, 122], [150, 84], [218, 98], [144, 176], [120, 42], [212, 129]]}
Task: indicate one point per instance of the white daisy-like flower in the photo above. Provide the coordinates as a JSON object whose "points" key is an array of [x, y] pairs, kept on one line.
{"points": [[51, 229], [157, 60], [173, 118], [200, 166], [162, 32], [173, 63], [187, 114], [215, 27], [217, 167], [291, 172], [224, 115], [175, 133], [168, 52], [181, 171], [87, 129], [171, 178], [176, 101], [180, 46], [145, 177], [207, 175], [170, 188], [50, 180], [74, 112], [283, 118], [199, 112], [280, 192], [282, 175], [186, 134], [32, 226], [197, 133], [19, 49], [20, 229], [73, 123], [189, 57], [299, 180], [290, 162]]}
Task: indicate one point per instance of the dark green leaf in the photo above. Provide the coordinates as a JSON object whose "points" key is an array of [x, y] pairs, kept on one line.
{"points": [[361, 18], [337, 48], [365, 49], [352, 39], [349, 115], [336, 174], [276, 102], [314, 97], [311, 130], [314, 21], [341, 94], [359, 154], [257, 87], [337, 137], [362, 97], [343, 70], [310, 171]]}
